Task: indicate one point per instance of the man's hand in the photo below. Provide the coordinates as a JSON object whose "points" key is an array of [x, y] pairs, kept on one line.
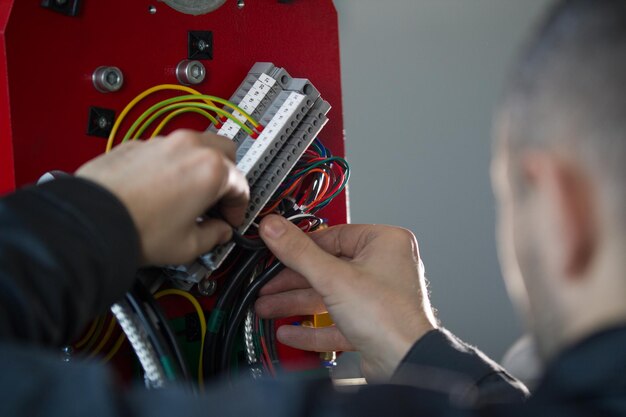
{"points": [[369, 278], [167, 184]]}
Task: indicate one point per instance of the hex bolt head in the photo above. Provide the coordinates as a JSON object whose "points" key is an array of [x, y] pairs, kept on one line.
{"points": [[190, 72], [107, 79]]}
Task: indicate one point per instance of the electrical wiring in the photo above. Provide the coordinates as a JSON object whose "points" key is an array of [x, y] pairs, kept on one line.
{"points": [[105, 338], [135, 134], [201, 318], [116, 347], [141, 96], [178, 112], [238, 314], [146, 297], [247, 243], [96, 335], [154, 336], [90, 331], [154, 373], [222, 306]]}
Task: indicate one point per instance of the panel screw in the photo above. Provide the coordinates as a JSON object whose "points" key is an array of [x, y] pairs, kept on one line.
{"points": [[152, 9], [107, 79], [207, 287], [190, 72], [241, 4]]}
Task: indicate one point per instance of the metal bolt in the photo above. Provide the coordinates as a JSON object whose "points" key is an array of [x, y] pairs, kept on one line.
{"points": [[207, 287], [102, 122], [152, 9], [202, 45], [107, 79], [190, 72], [241, 4]]}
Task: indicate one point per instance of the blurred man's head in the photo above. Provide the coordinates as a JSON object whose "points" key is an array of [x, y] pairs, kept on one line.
{"points": [[560, 174]]}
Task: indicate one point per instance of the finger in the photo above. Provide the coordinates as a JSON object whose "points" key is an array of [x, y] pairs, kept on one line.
{"points": [[225, 145], [211, 233], [290, 303], [324, 339], [353, 240], [326, 273], [234, 196], [287, 280]]}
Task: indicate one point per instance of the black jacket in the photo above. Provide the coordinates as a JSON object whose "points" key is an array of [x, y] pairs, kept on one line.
{"points": [[68, 249]]}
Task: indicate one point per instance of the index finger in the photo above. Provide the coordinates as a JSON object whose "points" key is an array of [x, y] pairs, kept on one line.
{"points": [[221, 143], [234, 196]]}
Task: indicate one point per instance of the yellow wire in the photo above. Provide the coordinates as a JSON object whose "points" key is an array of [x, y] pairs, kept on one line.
{"points": [[116, 347], [105, 338], [87, 336], [173, 114], [140, 97], [201, 317]]}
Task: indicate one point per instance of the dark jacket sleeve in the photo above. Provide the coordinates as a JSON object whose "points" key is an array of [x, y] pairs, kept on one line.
{"points": [[68, 250], [440, 359]]}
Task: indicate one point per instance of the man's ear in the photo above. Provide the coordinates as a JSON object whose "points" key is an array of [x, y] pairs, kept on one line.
{"points": [[568, 195]]}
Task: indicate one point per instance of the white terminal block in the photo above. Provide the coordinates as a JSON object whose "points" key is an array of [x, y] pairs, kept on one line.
{"points": [[271, 135], [250, 102]]}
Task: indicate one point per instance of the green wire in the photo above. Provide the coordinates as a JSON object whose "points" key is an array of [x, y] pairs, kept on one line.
{"points": [[167, 368], [180, 99], [159, 113], [323, 162]]}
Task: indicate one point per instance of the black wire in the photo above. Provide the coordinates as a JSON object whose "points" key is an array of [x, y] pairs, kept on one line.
{"points": [[145, 296], [224, 302], [246, 243], [270, 340], [240, 311], [153, 333]]}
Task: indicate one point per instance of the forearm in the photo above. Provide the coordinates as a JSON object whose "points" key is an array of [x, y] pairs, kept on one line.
{"points": [[453, 363], [68, 249]]}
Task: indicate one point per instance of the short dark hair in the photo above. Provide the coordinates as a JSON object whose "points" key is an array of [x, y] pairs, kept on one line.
{"points": [[569, 88]]}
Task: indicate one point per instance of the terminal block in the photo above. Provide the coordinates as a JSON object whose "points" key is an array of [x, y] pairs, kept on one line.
{"points": [[258, 90], [292, 113]]}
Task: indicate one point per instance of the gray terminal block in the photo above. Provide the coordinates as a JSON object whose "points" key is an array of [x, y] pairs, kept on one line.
{"points": [[254, 96], [274, 175], [292, 113], [187, 275], [280, 121]]}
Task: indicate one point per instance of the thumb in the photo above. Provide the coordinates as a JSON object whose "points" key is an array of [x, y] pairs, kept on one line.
{"points": [[299, 253], [211, 233]]}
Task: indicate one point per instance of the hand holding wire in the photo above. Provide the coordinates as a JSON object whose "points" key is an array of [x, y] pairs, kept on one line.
{"points": [[367, 277]]}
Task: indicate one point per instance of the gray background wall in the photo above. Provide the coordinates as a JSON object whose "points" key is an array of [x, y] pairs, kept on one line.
{"points": [[420, 79]]}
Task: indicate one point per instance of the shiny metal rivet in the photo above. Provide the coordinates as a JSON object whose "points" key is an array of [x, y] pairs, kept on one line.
{"points": [[152, 9], [189, 72], [241, 4], [107, 79]]}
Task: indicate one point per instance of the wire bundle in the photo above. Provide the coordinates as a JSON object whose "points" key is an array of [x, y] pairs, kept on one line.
{"points": [[315, 181], [192, 102]]}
